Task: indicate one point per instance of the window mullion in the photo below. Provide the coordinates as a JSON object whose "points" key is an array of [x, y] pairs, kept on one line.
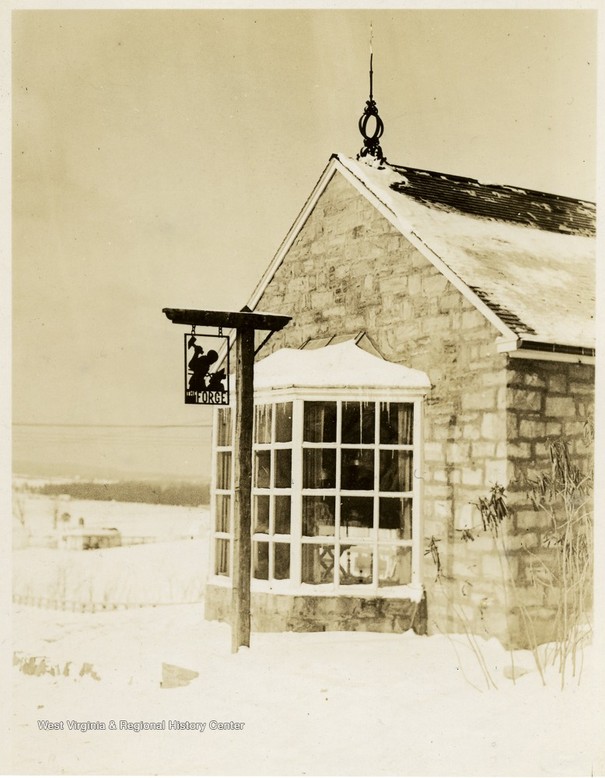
{"points": [[271, 532], [417, 482], [376, 501], [213, 465], [296, 501], [337, 502]]}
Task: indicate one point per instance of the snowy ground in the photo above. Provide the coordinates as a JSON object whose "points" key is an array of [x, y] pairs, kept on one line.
{"points": [[322, 703], [131, 518]]}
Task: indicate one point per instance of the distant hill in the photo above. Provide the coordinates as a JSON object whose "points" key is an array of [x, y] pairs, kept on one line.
{"points": [[143, 491], [78, 470]]}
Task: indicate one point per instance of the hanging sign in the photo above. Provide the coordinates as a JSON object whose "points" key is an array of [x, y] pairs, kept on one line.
{"points": [[205, 382]]}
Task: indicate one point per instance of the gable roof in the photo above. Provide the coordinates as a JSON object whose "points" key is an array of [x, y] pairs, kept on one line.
{"points": [[525, 259]]}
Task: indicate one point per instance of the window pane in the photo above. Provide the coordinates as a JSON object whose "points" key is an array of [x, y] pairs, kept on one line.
{"points": [[319, 468], [356, 517], [262, 469], [260, 560], [394, 566], [221, 557], [355, 565], [283, 422], [358, 422], [223, 470], [281, 560], [396, 423], [282, 515], [318, 516], [395, 471], [395, 518], [357, 469], [317, 564], [260, 518], [262, 424], [283, 468], [222, 504], [223, 436], [320, 422]]}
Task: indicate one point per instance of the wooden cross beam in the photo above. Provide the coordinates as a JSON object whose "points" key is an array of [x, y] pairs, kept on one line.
{"points": [[245, 323]]}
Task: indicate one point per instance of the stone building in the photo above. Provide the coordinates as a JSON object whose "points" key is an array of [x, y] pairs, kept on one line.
{"points": [[441, 336]]}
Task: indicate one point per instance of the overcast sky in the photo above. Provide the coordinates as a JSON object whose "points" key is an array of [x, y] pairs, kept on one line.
{"points": [[159, 158]]}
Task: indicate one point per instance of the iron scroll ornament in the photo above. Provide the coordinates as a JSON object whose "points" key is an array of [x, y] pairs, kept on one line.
{"points": [[371, 143]]}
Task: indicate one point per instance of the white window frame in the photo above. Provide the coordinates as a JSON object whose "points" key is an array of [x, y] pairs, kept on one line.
{"points": [[297, 397]]}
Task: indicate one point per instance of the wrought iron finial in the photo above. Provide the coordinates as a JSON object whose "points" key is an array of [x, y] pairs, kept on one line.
{"points": [[371, 139]]}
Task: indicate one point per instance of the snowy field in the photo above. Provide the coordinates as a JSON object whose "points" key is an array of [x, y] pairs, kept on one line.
{"points": [[131, 518], [319, 703]]}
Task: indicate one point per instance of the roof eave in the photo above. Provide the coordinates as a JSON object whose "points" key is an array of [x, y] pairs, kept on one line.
{"points": [[523, 348]]}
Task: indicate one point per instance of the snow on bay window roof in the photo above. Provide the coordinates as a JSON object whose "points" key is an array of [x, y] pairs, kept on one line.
{"points": [[337, 366]]}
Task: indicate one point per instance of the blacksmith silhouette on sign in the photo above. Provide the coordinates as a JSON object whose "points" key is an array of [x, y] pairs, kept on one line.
{"points": [[199, 365]]}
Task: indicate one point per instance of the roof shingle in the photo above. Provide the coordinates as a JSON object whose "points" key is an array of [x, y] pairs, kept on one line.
{"points": [[528, 256]]}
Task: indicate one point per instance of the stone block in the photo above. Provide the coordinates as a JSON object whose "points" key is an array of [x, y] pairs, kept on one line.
{"points": [[434, 452], [573, 428], [472, 476], [582, 373], [437, 491], [496, 471], [525, 539], [481, 448], [528, 596], [483, 541], [496, 566], [532, 429], [463, 569], [519, 450], [449, 302], [512, 424], [493, 426], [557, 383], [534, 379], [524, 399], [439, 430], [479, 401], [435, 285], [443, 509], [473, 319], [457, 452], [492, 378], [541, 450], [577, 388], [528, 519], [420, 262], [470, 432], [455, 321], [554, 428], [560, 407]]}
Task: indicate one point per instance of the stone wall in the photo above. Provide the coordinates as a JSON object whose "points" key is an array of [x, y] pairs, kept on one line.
{"points": [[547, 401], [349, 270], [312, 613], [516, 597]]}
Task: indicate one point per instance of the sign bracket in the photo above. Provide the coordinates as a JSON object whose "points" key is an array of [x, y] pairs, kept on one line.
{"points": [[245, 323]]}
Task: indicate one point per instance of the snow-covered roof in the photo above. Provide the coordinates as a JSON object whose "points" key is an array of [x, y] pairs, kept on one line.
{"points": [[340, 365], [528, 256]]}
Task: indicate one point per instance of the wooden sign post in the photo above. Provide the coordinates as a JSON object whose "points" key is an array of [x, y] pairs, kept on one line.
{"points": [[245, 323]]}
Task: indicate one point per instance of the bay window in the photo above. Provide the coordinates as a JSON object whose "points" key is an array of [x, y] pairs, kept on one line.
{"points": [[335, 499]]}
